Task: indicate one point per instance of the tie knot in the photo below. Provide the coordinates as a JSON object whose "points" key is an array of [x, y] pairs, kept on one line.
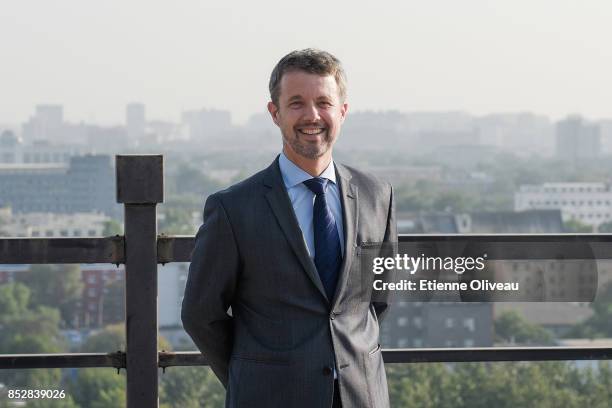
{"points": [[317, 185]]}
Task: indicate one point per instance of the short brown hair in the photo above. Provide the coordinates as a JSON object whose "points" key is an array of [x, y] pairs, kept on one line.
{"points": [[308, 60]]}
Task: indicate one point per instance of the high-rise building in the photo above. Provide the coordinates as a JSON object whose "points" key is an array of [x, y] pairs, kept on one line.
{"points": [[206, 123], [577, 139], [9, 147], [523, 133], [46, 124], [135, 120], [50, 115], [605, 127]]}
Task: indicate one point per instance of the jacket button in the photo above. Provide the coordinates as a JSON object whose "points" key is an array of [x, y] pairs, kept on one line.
{"points": [[327, 370]]}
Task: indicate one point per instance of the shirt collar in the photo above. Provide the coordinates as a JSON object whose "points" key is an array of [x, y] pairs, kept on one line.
{"points": [[293, 175]]}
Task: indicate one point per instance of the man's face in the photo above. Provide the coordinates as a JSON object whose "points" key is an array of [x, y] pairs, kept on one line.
{"points": [[309, 113]]}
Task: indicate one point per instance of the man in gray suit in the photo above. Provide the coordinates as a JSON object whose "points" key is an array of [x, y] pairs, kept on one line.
{"points": [[275, 298]]}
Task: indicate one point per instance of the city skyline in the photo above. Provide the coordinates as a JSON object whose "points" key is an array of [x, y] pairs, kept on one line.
{"points": [[546, 57], [179, 116]]}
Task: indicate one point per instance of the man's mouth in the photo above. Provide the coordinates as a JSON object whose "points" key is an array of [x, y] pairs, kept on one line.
{"points": [[311, 131]]}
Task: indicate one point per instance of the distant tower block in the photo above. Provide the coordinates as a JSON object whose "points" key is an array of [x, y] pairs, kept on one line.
{"points": [[577, 139], [135, 120], [47, 123]]}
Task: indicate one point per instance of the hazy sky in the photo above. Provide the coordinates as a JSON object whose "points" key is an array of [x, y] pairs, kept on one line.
{"points": [[552, 57]]}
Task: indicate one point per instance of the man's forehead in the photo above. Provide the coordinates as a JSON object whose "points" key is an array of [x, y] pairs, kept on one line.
{"points": [[295, 84]]}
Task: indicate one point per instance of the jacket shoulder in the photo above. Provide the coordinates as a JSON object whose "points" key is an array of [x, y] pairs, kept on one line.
{"points": [[367, 180], [241, 190]]}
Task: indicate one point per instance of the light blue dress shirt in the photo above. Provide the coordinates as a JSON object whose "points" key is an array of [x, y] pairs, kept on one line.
{"points": [[302, 199]]}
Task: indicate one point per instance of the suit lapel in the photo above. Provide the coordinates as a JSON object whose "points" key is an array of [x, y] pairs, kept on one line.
{"points": [[350, 213], [283, 211]]}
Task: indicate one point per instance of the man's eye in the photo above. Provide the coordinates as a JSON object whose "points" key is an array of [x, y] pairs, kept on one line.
{"points": [[325, 104], [295, 104]]}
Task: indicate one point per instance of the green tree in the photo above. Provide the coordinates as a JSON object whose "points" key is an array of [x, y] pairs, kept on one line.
{"points": [[102, 387], [112, 338], [599, 325], [577, 226], [453, 201], [14, 299], [191, 387], [112, 228], [28, 330], [421, 385], [510, 327], [109, 339], [500, 385], [98, 388], [176, 221], [190, 180], [58, 286], [66, 402], [605, 228]]}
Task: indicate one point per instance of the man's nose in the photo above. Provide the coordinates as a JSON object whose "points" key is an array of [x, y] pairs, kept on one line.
{"points": [[311, 113]]}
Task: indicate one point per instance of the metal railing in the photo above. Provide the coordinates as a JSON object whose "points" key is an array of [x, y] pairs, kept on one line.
{"points": [[140, 189]]}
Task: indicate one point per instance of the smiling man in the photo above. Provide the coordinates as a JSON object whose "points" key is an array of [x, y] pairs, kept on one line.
{"points": [[275, 299]]}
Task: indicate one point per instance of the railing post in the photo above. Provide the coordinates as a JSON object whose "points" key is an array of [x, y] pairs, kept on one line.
{"points": [[140, 188]]}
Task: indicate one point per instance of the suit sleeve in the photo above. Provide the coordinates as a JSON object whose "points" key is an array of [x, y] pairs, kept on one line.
{"points": [[210, 288], [381, 305]]}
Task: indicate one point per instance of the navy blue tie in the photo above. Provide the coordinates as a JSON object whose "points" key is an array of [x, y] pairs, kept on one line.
{"points": [[328, 253]]}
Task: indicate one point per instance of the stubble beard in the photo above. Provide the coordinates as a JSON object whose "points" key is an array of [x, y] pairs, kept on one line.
{"points": [[308, 150]]}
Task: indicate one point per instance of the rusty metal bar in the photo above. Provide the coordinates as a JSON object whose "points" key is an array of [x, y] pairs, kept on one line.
{"points": [[464, 355], [175, 248], [140, 188], [178, 248], [181, 359], [61, 250], [391, 356], [73, 360], [586, 237], [442, 355], [521, 246]]}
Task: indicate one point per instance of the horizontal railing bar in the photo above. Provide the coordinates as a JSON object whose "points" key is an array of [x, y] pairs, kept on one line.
{"points": [[178, 248], [181, 359], [62, 250], [490, 354], [445, 355], [518, 246], [390, 356], [519, 237], [71, 360], [175, 248]]}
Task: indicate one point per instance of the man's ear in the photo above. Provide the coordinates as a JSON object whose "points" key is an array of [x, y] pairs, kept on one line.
{"points": [[343, 111], [273, 112]]}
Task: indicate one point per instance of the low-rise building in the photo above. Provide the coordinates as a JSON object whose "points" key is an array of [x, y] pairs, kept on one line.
{"points": [[52, 224], [86, 184], [589, 203]]}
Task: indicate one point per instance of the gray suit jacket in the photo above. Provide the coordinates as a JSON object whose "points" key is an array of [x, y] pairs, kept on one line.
{"points": [[282, 337]]}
